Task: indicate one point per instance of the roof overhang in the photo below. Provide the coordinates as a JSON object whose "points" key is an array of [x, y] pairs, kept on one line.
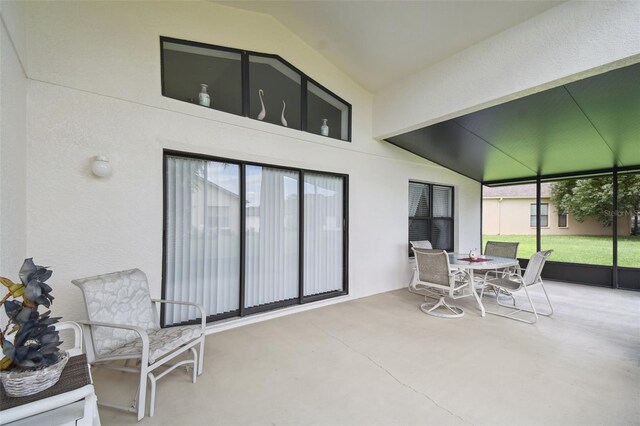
{"points": [[585, 126]]}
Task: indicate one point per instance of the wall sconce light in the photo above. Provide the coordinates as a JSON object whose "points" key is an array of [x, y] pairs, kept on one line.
{"points": [[101, 166]]}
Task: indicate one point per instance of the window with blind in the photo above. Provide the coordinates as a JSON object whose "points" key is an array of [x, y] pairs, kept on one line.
{"points": [[431, 215], [245, 238], [544, 215]]}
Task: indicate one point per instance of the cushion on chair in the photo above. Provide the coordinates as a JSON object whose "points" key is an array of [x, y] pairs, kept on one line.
{"points": [[121, 298], [161, 342]]}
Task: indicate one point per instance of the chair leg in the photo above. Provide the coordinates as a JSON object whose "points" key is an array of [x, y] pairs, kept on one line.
{"points": [[200, 356], [194, 373], [456, 312], [152, 394], [511, 315], [142, 391]]}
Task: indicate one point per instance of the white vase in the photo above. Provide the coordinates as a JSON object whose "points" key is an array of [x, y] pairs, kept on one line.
{"points": [[473, 254], [203, 97], [282, 119], [324, 129], [263, 112]]}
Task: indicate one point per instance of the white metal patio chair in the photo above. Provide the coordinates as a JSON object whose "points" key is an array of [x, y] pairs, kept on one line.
{"points": [[501, 249], [422, 244], [512, 283], [433, 275], [123, 325]]}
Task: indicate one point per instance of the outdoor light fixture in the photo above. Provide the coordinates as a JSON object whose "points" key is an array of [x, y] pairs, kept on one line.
{"points": [[101, 166]]}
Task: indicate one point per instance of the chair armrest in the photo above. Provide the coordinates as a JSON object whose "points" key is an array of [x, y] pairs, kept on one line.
{"points": [[141, 332], [176, 302], [77, 335]]}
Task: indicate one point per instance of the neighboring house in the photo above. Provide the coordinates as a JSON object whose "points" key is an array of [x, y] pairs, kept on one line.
{"points": [[511, 210]]}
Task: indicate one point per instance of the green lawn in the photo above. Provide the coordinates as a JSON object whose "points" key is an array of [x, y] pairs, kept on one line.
{"points": [[577, 248]]}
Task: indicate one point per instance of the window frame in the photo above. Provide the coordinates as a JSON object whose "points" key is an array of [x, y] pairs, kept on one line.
{"points": [[430, 217], [532, 215], [566, 220], [301, 299], [245, 79]]}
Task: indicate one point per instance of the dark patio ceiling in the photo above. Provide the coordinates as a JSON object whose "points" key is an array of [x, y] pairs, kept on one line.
{"points": [[586, 125]]}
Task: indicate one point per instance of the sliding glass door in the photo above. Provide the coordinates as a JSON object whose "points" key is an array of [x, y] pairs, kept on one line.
{"points": [[202, 238], [272, 235], [323, 233], [239, 238]]}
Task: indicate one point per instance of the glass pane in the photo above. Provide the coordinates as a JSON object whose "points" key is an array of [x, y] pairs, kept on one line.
{"points": [[441, 235], [323, 233], [629, 220], [562, 220], [272, 234], [508, 214], [274, 92], [186, 67], [322, 106], [587, 238], [202, 238], [544, 209], [442, 202], [418, 199], [419, 230]]}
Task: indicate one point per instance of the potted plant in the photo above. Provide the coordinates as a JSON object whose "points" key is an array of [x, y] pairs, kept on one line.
{"points": [[32, 360]]}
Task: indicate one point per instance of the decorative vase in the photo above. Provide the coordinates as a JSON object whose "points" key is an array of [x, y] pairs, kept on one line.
{"points": [[27, 382], [203, 97], [263, 113], [324, 129], [282, 119], [472, 254]]}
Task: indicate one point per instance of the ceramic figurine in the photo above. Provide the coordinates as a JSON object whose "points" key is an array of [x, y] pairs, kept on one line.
{"points": [[284, 122], [203, 97], [263, 113], [324, 129], [473, 253]]}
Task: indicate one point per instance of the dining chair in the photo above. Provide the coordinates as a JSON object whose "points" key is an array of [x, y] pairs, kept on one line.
{"points": [[501, 249], [433, 275], [510, 284], [421, 244], [124, 325]]}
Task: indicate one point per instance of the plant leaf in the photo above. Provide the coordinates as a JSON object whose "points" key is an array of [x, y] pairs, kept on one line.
{"points": [[28, 268]]}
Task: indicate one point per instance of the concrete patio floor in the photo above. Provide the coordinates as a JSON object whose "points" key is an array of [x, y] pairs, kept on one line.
{"points": [[380, 360]]}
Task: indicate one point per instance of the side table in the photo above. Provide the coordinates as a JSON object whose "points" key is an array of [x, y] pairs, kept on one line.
{"points": [[71, 401]]}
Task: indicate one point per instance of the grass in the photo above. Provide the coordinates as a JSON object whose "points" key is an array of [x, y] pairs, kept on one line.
{"points": [[596, 250]]}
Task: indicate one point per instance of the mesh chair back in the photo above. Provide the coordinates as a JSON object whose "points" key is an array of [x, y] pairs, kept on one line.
{"points": [[423, 244], [501, 249], [433, 266], [120, 298], [534, 267]]}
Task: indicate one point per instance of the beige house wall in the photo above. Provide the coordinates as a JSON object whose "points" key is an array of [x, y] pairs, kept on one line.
{"points": [[510, 216]]}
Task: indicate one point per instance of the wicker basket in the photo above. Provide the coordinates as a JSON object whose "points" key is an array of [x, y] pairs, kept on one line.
{"points": [[28, 382]]}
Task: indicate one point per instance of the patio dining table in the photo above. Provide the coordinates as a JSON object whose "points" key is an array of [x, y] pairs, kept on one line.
{"points": [[457, 260]]}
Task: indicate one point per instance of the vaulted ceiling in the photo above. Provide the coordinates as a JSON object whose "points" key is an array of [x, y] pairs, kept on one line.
{"points": [[379, 42]]}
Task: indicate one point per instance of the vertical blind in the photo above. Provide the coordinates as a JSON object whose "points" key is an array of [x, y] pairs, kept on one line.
{"points": [[203, 256], [323, 233], [272, 232], [202, 237]]}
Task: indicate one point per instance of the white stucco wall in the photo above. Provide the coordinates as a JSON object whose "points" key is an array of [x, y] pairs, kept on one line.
{"points": [[94, 88], [13, 156], [571, 41]]}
